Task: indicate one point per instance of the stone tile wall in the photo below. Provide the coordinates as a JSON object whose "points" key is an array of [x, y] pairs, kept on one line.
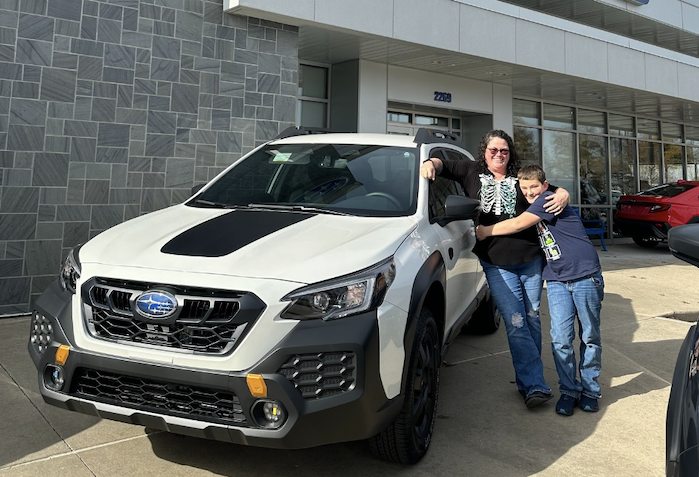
{"points": [[114, 108]]}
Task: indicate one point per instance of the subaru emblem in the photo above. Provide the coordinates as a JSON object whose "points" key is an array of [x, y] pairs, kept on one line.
{"points": [[156, 304]]}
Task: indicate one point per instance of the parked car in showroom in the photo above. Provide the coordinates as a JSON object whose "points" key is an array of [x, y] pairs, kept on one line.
{"points": [[682, 431], [305, 296], [647, 217]]}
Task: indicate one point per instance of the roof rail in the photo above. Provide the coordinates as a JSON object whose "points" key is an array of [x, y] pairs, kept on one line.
{"points": [[300, 131], [429, 136]]}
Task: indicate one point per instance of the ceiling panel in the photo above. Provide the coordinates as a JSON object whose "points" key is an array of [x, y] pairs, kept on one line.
{"points": [[328, 47]]}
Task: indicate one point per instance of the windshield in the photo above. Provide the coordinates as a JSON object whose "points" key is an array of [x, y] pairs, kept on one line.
{"points": [[366, 180]]}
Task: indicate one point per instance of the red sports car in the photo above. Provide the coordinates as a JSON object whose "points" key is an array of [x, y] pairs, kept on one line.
{"points": [[648, 215]]}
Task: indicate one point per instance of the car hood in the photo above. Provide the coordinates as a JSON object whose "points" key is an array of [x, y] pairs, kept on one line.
{"points": [[298, 247]]}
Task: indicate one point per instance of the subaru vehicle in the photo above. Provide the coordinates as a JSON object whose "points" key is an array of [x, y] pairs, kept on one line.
{"points": [[305, 296], [682, 428], [647, 217]]}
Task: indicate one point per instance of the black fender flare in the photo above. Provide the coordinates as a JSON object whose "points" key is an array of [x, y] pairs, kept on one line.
{"points": [[694, 220], [432, 271]]}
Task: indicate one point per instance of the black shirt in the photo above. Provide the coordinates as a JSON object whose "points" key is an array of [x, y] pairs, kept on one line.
{"points": [[512, 249]]}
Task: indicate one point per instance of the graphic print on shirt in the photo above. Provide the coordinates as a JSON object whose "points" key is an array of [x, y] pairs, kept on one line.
{"points": [[498, 197], [548, 243]]}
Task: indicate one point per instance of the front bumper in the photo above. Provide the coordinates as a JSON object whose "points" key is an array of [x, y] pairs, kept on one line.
{"points": [[641, 228], [218, 404]]}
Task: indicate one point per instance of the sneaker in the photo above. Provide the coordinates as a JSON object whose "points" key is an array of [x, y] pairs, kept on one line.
{"points": [[536, 398], [588, 404], [566, 405]]}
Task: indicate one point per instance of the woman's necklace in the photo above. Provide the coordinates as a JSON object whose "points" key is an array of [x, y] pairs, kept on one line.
{"points": [[498, 196]]}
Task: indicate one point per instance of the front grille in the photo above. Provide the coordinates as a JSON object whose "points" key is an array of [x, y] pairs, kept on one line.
{"points": [[321, 375], [205, 321], [203, 404]]}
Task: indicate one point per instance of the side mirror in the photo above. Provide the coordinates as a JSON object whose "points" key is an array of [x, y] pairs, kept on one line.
{"points": [[684, 243], [458, 207]]}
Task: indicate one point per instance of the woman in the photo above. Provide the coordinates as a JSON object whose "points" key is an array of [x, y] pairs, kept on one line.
{"points": [[512, 263]]}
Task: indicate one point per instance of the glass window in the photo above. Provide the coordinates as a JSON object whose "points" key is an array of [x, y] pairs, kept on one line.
{"points": [[692, 135], [692, 163], [561, 117], [526, 112], [440, 189], [399, 117], [648, 164], [623, 167], [528, 145], [672, 154], [559, 160], [312, 114], [313, 81], [648, 129], [456, 123], [621, 125], [431, 121], [593, 169], [591, 121], [672, 133]]}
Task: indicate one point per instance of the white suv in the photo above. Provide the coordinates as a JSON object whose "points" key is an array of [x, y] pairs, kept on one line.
{"points": [[303, 297]]}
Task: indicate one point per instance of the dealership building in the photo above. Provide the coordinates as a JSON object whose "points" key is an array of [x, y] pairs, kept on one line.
{"points": [[110, 109]]}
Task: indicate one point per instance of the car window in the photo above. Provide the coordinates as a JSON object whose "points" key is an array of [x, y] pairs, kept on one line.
{"points": [[668, 190], [441, 188], [367, 180]]}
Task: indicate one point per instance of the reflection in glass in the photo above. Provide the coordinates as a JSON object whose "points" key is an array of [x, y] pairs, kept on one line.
{"points": [[431, 121], [692, 135], [591, 121], [623, 167], [648, 129], [526, 112], [692, 163], [312, 114], [313, 81], [648, 164], [672, 133], [621, 125], [399, 117], [593, 169], [673, 162], [558, 116], [559, 160], [528, 145]]}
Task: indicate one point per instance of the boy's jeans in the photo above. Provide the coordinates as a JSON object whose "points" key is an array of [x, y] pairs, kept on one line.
{"points": [[516, 290], [566, 299]]}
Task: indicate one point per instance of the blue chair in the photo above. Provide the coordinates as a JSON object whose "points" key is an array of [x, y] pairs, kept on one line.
{"points": [[593, 227]]}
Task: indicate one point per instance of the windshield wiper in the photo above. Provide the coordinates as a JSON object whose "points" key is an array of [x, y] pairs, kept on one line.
{"points": [[296, 208], [219, 205]]}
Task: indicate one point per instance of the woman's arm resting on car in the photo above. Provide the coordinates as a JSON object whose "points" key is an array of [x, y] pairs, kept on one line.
{"points": [[431, 168]]}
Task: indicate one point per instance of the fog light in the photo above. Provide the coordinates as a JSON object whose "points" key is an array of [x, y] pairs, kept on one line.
{"points": [[54, 377], [269, 414]]}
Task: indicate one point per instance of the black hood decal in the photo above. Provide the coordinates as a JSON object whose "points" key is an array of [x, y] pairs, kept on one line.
{"points": [[229, 232]]}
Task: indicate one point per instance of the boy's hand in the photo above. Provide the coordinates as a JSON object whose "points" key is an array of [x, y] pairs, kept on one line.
{"points": [[557, 201]]}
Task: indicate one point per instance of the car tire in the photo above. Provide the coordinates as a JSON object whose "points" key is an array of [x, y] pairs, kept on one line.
{"points": [[485, 320], [407, 439], [645, 242]]}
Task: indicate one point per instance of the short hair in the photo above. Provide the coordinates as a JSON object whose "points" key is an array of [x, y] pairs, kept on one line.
{"points": [[530, 172]]}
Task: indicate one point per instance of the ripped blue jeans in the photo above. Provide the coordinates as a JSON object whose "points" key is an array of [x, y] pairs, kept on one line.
{"points": [[516, 290]]}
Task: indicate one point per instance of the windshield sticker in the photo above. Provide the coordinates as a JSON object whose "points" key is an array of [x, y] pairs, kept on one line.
{"points": [[282, 157]]}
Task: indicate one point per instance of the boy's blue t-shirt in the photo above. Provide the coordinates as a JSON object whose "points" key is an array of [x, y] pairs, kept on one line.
{"points": [[569, 253]]}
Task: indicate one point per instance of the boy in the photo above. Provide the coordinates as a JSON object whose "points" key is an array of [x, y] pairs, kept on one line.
{"points": [[574, 286]]}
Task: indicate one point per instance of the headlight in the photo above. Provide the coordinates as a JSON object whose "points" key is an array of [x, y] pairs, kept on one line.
{"points": [[343, 296], [70, 271]]}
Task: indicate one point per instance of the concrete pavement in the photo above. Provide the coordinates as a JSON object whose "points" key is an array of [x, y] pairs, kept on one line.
{"points": [[483, 428]]}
